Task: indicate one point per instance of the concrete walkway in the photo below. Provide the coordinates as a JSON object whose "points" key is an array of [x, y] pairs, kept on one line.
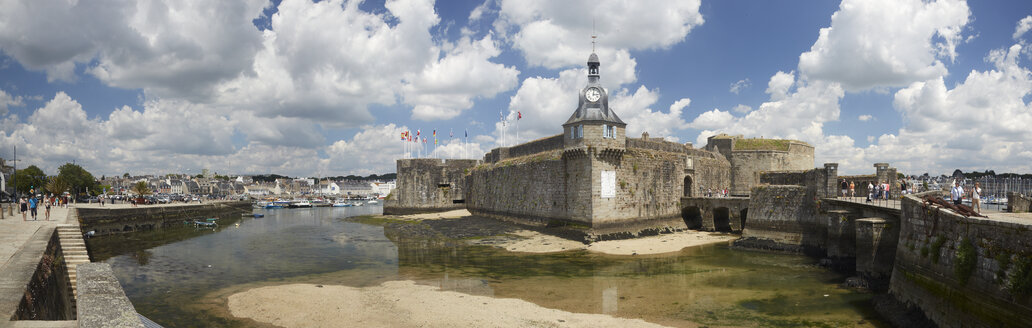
{"points": [[22, 244]]}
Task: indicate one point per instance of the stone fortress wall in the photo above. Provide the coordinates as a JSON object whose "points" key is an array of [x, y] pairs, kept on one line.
{"points": [[750, 156], [556, 187], [429, 185], [963, 271]]}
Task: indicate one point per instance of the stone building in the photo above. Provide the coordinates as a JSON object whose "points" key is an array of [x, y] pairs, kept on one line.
{"points": [[592, 180], [751, 156]]}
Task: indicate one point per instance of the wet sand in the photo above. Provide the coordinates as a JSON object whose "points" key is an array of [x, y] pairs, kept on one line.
{"points": [[526, 241], [402, 304]]}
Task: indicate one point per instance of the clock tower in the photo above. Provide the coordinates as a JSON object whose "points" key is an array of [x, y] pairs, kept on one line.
{"points": [[594, 124]]}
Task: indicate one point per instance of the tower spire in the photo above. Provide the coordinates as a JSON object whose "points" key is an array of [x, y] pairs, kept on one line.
{"points": [[593, 36]]}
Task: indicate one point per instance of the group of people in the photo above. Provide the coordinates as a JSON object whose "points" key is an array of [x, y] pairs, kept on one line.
{"points": [[957, 195], [720, 192], [874, 191], [29, 206]]}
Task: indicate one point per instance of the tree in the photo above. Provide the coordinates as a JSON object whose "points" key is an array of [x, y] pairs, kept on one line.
{"points": [[126, 175], [141, 189], [78, 179], [31, 177], [56, 185]]}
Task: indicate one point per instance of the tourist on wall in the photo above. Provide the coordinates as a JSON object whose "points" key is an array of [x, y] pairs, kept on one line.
{"points": [[23, 207], [845, 187], [957, 193], [976, 198], [46, 206], [852, 189], [870, 191], [33, 203]]}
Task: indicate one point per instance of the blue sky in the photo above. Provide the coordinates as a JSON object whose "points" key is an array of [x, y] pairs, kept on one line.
{"points": [[324, 88]]}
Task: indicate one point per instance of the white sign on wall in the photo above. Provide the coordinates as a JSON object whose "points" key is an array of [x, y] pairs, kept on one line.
{"points": [[608, 184]]}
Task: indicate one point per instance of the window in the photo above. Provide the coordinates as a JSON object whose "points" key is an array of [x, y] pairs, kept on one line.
{"points": [[605, 131]]}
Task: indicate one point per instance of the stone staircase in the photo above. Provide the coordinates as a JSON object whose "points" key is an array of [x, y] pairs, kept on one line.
{"points": [[73, 249]]}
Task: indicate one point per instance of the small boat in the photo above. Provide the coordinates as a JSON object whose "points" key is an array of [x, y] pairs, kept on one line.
{"points": [[205, 224], [342, 204], [257, 215], [372, 202], [277, 204], [300, 203]]}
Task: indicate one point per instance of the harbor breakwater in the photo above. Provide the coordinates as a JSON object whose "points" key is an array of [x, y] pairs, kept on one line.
{"points": [[106, 221]]}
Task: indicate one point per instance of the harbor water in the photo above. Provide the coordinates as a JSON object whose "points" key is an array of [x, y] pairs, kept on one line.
{"points": [[182, 277]]}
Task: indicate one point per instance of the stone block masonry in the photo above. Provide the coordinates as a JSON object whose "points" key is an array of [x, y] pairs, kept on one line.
{"points": [[964, 271], [429, 185], [1018, 203], [782, 217], [104, 221]]}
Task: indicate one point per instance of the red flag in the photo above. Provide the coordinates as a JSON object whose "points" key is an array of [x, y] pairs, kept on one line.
{"points": [[435, 132], [417, 132], [519, 115]]}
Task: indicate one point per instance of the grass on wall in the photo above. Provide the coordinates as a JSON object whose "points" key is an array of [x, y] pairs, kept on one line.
{"points": [[762, 144]]}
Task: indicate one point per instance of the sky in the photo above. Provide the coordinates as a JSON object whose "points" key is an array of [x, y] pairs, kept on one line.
{"points": [[326, 88]]}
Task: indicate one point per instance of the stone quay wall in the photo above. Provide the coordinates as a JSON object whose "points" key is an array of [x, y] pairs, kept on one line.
{"points": [[429, 185], [105, 221], [1018, 203], [963, 271], [48, 296], [649, 185]]}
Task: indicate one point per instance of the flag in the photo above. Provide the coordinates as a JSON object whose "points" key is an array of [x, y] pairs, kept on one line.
{"points": [[451, 133], [435, 132], [402, 136], [417, 132], [519, 115], [467, 133]]}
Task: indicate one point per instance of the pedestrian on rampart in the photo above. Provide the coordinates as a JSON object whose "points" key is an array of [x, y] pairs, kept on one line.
{"points": [[976, 198], [852, 189], [870, 191], [46, 204], [957, 193], [33, 204], [23, 207], [845, 187]]}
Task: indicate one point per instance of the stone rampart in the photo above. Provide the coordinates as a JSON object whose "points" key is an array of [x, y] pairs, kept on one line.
{"points": [[105, 221], [429, 185], [530, 188], [782, 217], [1018, 203], [655, 144], [707, 172], [545, 144], [964, 271], [746, 165], [102, 302]]}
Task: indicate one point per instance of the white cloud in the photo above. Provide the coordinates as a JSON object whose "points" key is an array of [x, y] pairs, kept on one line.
{"points": [[741, 109], [555, 34], [739, 86], [634, 110], [446, 87], [886, 42], [1024, 25], [7, 100], [865, 118], [714, 119], [779, 85], [176, 48]]}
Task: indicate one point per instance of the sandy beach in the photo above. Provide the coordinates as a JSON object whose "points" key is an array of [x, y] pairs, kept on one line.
{"points": [[402, 304], [526, 241]]}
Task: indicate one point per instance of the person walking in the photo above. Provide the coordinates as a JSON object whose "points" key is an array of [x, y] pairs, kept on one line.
{"points": [[852, 189], [23, 207], [957, 193], [870, 191], [46, 205], [845, 187], [33, 204], [976, 198]]}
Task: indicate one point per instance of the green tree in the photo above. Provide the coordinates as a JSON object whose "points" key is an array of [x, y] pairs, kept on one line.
{"points": [[31, 177], [78, 179], [126, 175], [140, 188], [56, 185]]}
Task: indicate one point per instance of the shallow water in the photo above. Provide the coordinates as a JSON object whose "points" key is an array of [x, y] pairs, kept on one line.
{"points": [[184, 283]]}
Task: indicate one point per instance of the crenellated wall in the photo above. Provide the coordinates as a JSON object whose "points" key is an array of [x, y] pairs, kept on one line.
{"points": [[429, 185], [1018, 203], [964, 271]]}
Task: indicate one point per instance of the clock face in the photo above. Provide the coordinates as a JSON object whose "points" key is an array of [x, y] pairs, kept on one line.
{"points": [[593, 94]]}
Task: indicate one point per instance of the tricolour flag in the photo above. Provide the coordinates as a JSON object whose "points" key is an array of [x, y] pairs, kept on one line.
{"points": [[519, 115]]}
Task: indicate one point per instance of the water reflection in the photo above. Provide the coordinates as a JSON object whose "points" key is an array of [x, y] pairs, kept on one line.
{"points": [[185, 283]]}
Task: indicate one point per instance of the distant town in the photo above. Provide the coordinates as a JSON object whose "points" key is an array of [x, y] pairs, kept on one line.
{"points": [[180, 186]]}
